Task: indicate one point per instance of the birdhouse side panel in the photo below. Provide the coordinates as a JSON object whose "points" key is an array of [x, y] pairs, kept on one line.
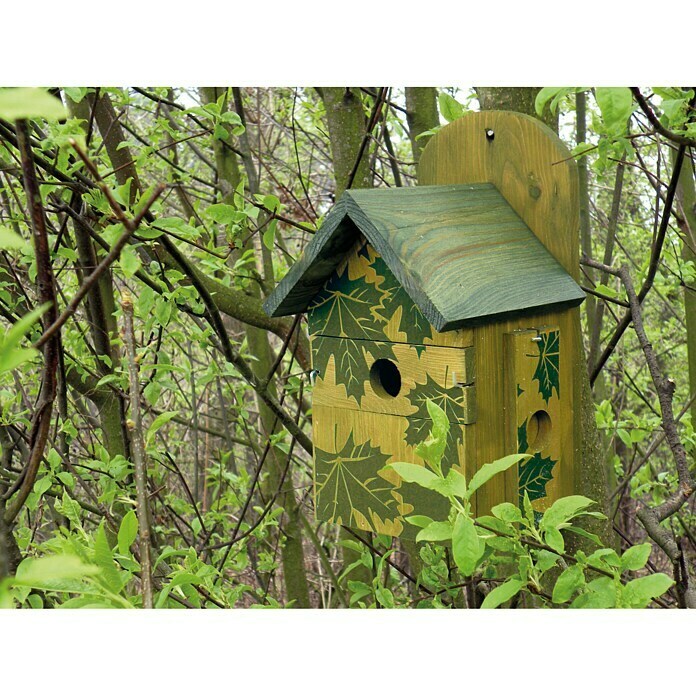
{"points": [[534, 391]]}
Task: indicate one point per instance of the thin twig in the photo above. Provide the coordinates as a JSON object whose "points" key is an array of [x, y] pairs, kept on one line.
{"points": [[138, 449]]}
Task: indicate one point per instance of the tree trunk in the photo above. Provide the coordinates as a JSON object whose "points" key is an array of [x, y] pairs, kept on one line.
{"points": [[346, 120], [422, 115], [686, 199], [292, 553]]}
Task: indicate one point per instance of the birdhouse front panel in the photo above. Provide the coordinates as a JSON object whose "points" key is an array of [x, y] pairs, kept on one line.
{"points": [[377, 362]]}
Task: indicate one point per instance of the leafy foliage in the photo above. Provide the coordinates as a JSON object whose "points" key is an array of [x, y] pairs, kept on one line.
{"points": [[229, 486], [515, 537]]}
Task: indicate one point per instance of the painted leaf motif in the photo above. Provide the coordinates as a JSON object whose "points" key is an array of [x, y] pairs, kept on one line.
{"points": [[451, 401], [522, 444], [347, 484], [416, 327], [546, 372], [342, 309], [349, 360], [534, 473]]}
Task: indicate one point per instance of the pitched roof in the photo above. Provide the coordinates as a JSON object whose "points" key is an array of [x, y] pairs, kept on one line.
{"points": [[460, 251]]}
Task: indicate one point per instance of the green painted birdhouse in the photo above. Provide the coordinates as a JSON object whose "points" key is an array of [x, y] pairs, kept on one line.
{"points": [[462, 292]]}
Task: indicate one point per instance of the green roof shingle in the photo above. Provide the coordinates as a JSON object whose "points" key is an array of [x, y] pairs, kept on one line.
{"points": [[460, 251]]}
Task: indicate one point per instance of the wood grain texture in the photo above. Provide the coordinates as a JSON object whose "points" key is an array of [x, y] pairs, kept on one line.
{"points": [[521, 162], [443, 374], [351, 486], [461, 252], [526, 161], [535, 419]]}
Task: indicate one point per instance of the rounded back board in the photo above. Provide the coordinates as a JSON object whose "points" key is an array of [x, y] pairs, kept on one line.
{"points": [[528, 164]]}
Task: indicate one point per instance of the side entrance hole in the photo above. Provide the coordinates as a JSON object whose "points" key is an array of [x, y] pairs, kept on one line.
{"points": [[539, 431]]}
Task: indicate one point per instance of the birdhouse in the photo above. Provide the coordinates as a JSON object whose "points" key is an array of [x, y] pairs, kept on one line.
{"points": [[460, 291]]}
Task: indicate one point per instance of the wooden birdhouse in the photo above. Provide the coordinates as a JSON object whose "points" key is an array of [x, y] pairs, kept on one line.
{"points": [[460, 291]]}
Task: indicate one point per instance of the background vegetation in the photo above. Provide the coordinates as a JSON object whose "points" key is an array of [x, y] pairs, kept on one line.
{"points": [[154, 422]]}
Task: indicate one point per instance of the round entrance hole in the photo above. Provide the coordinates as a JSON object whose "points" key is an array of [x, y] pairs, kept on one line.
{"points": [[538, 431], [385, 378]]}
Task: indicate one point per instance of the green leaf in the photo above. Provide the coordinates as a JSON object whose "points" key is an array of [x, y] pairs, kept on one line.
{"points": [[550, 94], [30, 102], [584, 533], [454, 484], [130, 261], [435, 531], [127, 532], [220, 132], [21, 327], [569, 581], [489, 470], [270, 234], [554, 539], [104, 558], [77, 94], [221, 213], [507, 512], [10, 360], [434, 447], [42, 485], [159, 422], [63, 573], [466, 546], [565, 509], [419, 520], [384, 597], [545, 560], [10, 240], [502, 593], [271, 202], [606, 290], [413, 473], [604, 558], [640, 591], [66, 478], [581, 149], [70, 509], [601, 594], [487, 523], [179, 227], [358, 590], [616, 105], [625, 437], [450, 108], [636, 557]]}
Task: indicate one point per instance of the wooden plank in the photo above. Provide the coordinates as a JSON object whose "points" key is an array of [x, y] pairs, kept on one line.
{"points": [[350, 485], [444, 375], [525, 161], [462, 253], [533, 358]]}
